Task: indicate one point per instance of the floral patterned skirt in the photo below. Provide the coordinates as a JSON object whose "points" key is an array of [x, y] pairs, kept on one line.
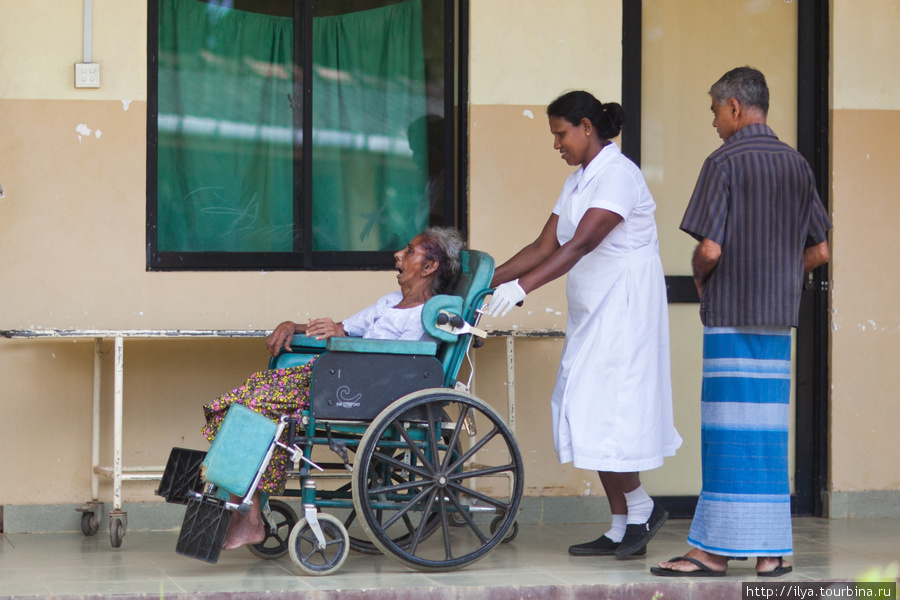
{"points": [[272, 394]]}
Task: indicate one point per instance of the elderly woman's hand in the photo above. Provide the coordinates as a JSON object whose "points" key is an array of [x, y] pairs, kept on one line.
{"points": [[280, 339], [322, 329]]}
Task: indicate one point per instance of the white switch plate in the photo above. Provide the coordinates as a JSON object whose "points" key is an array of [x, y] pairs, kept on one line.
{"points": [[87, 75]]}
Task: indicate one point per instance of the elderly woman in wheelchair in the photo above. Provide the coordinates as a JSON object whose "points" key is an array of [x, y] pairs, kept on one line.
{"points": [[428, 266], [435, 476]]}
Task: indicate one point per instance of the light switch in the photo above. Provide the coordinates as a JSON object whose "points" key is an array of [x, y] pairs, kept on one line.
{"points": [[87, 75]]}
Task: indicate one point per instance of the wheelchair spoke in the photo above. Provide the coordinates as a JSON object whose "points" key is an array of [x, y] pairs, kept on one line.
{"points": [[417, 538], [399, 487], [410, 527], [395, 462], [445, 528], [454, 440], [468, 519], [463, 490], [309, 537], [417, 451], [277, 536], [350, 518], [433, 432], [404, 509], [468, 454], [485, 472]]}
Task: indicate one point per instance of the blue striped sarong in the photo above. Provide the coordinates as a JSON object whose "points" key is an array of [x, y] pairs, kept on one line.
{"points": [[744, 507]]}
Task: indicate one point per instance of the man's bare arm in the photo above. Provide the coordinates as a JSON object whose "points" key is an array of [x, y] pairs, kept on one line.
{"points": [[815, 256], [706, 257]]}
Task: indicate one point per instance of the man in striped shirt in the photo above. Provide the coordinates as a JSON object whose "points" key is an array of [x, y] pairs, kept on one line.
{"points": [[760, 226]]}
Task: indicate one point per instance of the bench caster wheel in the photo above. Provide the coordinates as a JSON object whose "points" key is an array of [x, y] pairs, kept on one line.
{"points": [[90, 524], [305, 551], [117, 526], [91, 513]]}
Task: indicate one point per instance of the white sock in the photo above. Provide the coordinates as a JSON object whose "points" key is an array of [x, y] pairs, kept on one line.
{"points": [[617, 530], [640, 505]]}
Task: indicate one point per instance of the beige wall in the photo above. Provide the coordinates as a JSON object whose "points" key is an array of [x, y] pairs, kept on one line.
{"points": [[54, 28], [680, 63], [72, 236], [72, 256], [72, 245], [865, 323]]}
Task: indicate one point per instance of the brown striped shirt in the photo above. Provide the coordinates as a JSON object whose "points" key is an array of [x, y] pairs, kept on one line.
{"points": [[756, 197]]}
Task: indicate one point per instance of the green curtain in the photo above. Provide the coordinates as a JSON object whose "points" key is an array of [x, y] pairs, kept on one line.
{"points": [[226, 137]]}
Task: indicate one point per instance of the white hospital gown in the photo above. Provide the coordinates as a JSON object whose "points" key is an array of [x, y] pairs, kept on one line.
{"points": [[384, 322], [612, 403]]}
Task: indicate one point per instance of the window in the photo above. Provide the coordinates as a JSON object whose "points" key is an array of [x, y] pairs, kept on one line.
{"points": [[284, 134]]}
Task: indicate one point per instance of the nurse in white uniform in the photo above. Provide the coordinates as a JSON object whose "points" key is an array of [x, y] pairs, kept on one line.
{"points": [[612, 403]]}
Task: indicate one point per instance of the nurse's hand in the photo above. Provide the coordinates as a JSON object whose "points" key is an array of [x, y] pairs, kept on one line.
{"points": [[505, 297]]}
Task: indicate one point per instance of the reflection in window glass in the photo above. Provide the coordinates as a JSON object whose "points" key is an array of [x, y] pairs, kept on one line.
{"points": [[230, 142]]}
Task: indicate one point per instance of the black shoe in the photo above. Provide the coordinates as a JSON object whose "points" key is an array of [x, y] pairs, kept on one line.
{"points": [[637, 536], [602, 546]]}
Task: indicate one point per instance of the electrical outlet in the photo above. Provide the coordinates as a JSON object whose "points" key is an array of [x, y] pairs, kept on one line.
{"points": [[87, 75]]}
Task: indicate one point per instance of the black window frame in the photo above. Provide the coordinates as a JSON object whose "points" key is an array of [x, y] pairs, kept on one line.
{"points": [[303, 258]]}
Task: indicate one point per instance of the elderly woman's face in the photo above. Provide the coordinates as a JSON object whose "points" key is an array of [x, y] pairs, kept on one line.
{"points": [[412, 264]]}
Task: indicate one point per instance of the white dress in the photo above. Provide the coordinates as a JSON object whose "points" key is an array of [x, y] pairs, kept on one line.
{"points": [[612, 403]]}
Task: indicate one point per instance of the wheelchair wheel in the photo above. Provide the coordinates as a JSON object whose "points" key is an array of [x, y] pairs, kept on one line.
{"points": [[276, 543], [380, 472], [305, 551], [441, 479], [404, 538]]}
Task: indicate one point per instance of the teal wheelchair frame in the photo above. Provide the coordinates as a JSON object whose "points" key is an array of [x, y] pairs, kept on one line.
{"points": [[434, 477]]}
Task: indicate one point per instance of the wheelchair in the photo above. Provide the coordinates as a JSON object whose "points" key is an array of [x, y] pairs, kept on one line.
{"points": [[426, 473]]}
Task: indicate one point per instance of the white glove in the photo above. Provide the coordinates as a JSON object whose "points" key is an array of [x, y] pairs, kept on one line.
{"points": [[505, 297]]}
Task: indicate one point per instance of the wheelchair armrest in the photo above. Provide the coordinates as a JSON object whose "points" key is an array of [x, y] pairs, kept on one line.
{"points": [[301, 342], [355, 344], [303, 350]]}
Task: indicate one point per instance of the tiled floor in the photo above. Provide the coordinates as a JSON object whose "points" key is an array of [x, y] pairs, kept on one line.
{"points": [[535, 565]]}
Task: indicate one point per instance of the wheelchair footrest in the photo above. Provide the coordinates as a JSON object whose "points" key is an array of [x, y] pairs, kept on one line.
{"points": [[206, 522], [182, 475]]}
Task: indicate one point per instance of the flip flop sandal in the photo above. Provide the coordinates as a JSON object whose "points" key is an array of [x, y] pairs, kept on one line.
{"points": [[776, 572], [703, 571]]}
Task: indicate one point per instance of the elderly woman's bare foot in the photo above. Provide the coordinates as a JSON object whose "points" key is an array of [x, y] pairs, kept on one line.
{"points": [[244, 530]]}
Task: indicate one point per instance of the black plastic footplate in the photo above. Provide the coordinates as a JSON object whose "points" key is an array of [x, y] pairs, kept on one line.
{"points": [[203, 531], [182, 475]]}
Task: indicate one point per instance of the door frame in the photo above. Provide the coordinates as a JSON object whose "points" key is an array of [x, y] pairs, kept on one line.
{"points": [[813, 333]]}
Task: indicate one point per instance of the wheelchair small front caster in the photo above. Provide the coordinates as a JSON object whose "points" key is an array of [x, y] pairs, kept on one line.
{"points": [[117, 526], [306, 553], [510, 534], [278, 530]]}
